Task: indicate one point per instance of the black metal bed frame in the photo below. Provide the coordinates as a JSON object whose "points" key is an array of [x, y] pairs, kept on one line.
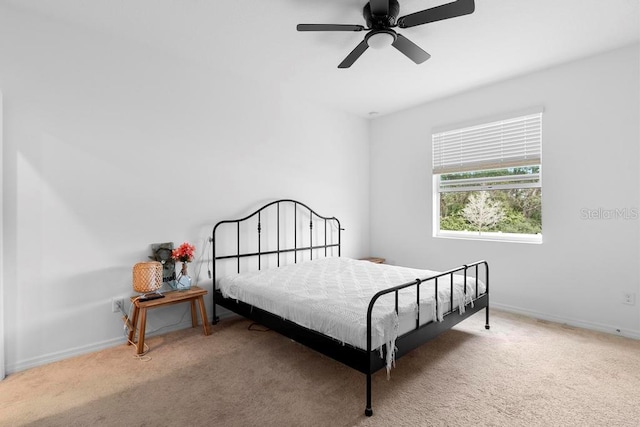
{"points": [[366, 361]]}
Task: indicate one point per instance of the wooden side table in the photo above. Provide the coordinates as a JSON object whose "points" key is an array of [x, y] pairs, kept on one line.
{"points": [[140, 308], [375, 260]]}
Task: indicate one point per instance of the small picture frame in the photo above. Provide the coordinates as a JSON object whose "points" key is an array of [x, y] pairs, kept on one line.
{"points": [[161, 252]]}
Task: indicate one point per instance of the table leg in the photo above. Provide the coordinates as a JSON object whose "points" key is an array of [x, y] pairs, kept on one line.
{"points": [[203, 314], [134, 324], [194, 315], [143, 325]]}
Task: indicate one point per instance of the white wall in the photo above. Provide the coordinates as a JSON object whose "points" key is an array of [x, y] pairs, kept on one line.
{"points": [[591, 128], [110, 146], [2, 364]]}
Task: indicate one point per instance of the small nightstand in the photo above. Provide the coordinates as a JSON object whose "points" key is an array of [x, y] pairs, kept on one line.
{"points": [[374, 260], [193, 295]]}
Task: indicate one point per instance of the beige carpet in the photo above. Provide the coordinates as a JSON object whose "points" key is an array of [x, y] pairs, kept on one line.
{"points": [[522, 372]]}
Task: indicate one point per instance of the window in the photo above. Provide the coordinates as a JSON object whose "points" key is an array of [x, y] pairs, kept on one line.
{"points": [[488, 180]]}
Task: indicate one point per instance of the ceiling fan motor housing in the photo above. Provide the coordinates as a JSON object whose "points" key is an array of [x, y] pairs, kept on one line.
{"points": [[383, 21]]}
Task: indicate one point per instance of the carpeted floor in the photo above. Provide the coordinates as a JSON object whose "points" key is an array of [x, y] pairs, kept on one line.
{"points": [[522, 372]]}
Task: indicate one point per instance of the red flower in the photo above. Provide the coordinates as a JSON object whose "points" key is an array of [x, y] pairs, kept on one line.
{"points": [[184, 253]]}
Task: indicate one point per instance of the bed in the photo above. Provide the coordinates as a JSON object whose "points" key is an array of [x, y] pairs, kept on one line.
{"points": [[281, 266]]}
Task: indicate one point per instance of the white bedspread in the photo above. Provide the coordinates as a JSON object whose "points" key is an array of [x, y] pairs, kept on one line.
{"points": [[331, 296]]}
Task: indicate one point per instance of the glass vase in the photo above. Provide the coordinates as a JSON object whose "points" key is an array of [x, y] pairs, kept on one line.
{"points": [[183, 282]]}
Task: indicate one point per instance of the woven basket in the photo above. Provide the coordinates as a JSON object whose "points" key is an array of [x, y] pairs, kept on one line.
{"points": [[147, 276]]}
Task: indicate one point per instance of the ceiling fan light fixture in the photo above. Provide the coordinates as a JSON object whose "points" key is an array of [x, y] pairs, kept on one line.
{"points": [[380, 39], [381, 16]]}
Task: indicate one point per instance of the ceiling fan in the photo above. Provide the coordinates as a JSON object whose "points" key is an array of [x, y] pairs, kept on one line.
{"points": [[380, 17]]}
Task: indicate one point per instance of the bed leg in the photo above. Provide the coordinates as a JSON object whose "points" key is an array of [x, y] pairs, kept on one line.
{"points": [[486, 326], [368, 411], [215, 319]]}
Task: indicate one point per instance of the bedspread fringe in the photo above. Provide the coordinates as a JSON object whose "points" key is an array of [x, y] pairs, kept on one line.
{"points": [[461, 299], [390, 336]]}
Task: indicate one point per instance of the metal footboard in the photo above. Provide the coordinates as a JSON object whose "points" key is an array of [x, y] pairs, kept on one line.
{"points": [[484, 300]]}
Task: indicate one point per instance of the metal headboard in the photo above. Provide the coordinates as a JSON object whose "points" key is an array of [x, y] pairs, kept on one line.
{"points": [[331, 224]]}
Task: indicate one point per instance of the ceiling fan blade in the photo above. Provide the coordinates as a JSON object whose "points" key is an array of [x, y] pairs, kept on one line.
{"points": [[329, 27], [355, 54], [438, 13], [410, 49], [379, 7]]}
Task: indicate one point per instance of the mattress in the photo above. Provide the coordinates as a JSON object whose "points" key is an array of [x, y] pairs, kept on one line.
{"points": [[331, 296]]}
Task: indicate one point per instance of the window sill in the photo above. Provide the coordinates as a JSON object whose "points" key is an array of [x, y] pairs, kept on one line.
{"points": [[490, 236]]}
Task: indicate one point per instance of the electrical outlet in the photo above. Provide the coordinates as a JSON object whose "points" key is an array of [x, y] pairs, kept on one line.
{"points": [[117, 304], [629, 298]]}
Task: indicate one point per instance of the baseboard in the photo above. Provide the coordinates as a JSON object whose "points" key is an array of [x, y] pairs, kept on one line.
{"points": [[599, 327], [61, 355], [90, 348], [224, 314]]}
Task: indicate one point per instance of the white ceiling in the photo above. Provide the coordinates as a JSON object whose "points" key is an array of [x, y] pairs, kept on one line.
{"points": [[501, 39]]}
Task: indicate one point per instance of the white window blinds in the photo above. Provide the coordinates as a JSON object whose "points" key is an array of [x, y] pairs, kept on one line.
{"points": [[502, 144]]}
